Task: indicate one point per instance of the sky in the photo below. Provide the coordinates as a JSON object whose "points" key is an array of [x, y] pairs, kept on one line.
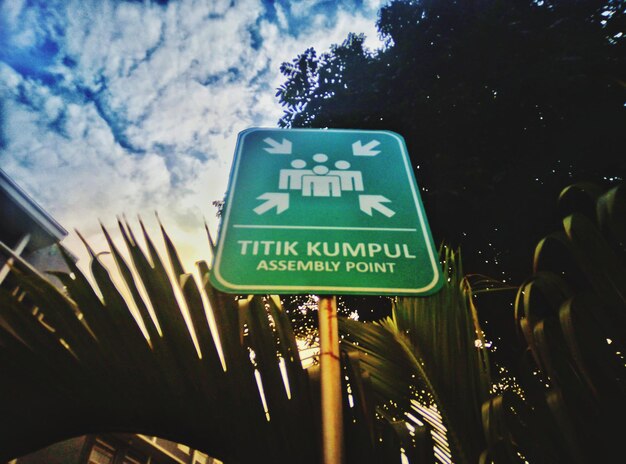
{"points": [[131, 107]]}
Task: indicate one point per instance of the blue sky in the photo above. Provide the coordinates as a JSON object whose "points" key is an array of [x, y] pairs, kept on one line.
{"points": [[110, 107]]}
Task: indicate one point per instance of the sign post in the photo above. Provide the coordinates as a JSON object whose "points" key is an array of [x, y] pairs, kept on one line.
{"points": [[326, 212], [330, 382]]}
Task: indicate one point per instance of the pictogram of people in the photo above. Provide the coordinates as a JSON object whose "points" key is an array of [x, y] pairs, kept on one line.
{"points": [[291, 179], [320, 181], [350, 180]]}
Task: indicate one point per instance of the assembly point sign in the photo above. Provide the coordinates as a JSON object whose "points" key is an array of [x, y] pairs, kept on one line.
{"points": [[324, 211]]}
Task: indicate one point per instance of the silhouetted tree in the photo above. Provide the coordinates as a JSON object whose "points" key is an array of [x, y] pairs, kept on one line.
{"points": [[501, 103]]}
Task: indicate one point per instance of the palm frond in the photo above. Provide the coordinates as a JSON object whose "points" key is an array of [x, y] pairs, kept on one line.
{"points": [[92, 364], [431, 343], [571, 315]]}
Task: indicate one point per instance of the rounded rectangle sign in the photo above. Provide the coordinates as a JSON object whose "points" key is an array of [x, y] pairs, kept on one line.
{"points": [[327, 211]]}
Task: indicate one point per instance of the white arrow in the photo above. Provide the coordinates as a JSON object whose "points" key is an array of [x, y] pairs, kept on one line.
{"points": [[278, 200], [365, 150], [368, 203], [276, 148]]}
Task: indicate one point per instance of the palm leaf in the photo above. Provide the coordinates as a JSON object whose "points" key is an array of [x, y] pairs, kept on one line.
{"points": [[430, 343], [97, 370], [572, 316]]}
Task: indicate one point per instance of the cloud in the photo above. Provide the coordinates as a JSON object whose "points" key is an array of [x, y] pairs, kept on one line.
{"points": [[120, 107]]}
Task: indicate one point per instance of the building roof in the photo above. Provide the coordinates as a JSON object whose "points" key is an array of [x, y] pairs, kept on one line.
{"points": [[21, 215]]}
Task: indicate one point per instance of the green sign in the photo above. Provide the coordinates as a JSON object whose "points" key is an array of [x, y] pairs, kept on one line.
{"points": [[324, 211]]}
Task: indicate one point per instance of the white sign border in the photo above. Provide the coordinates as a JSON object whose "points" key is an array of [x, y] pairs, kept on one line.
{"points": [[316, 289]]}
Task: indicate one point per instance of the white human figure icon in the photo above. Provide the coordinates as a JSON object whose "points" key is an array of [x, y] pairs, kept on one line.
{"points": [[320, 184], [291, 179], [350, 180]]}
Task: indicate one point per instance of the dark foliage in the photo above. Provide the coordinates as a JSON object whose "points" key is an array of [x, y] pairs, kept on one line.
{"points": [[570, 318], [501, 103], [564, 388]]}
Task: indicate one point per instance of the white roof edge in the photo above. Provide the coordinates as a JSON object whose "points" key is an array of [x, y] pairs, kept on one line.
{"points": [[36, 212]]}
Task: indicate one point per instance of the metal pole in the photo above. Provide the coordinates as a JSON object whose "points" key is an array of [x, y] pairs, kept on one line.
{"points": [[330, 382]]}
